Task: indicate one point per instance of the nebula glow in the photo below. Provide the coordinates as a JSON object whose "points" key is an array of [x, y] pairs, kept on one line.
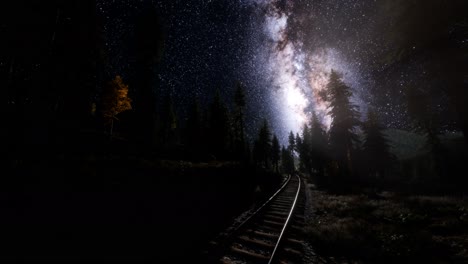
{"points": [[298, 73], [286, 66]]}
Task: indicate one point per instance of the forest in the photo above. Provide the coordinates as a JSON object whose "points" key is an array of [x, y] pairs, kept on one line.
{"points": [[90, 154]]}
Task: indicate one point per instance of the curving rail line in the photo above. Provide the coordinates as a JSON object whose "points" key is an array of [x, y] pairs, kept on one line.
{"points": [[267, 235], [273, 255]]}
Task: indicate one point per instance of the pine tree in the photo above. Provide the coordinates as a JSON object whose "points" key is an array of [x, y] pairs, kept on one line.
{"points": [[275, 152], [169, 123], [287, 161], [298, 143], [218, 127], [344, 116], [304, 150], [318, 148], [426, 121], [292, 142], [146, 50], [419, 108], [262, 146], [239, 130], [193, 135], [376, 148]]}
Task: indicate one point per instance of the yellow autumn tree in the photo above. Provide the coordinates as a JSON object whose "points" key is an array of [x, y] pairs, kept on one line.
{"points": [[115, 100]]}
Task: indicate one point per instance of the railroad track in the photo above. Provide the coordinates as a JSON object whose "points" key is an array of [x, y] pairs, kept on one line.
{"points": [[269, 234]]}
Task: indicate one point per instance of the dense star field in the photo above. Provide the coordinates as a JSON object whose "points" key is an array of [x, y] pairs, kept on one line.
{"points": [[283, 51], [139, 129]]}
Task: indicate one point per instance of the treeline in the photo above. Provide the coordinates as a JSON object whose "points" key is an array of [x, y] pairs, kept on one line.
{"points": [[209, 131], [336, 157], [354, 152], [62, 96], [60, 93]]}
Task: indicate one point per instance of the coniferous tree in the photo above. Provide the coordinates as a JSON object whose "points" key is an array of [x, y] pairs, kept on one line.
{"points": [[193, 135], [47, 89], [146, 50], [292, 142], [256, 156], [275, 152], [376, 148], [344, 114], [247, 158], [442, 35], [168, 123], [218, 127], [425, 121], [287, 161], [318, 148], [304, 150], [262, 146], [239, 130], [298, 143], [298, 148]]}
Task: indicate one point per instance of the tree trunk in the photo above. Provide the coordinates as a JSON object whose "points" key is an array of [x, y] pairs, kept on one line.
{"points": [[242, 127], [111, 128], [54, 33]]}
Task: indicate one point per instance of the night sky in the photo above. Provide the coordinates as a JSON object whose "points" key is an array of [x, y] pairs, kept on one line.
{"points": [[282, 51]]}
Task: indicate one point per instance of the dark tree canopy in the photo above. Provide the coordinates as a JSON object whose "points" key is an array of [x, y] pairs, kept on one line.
{"points": [[194, 128], [304, 150], [218, 127], [146, 49], [318, 148], [291, 141], [433, 35], [275, 153], [239, 119], [376, 147], [345, 120], [287, 161], [262, 146]]}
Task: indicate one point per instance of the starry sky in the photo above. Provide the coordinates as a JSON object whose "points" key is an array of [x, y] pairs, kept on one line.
{"points": [[281, 50]]}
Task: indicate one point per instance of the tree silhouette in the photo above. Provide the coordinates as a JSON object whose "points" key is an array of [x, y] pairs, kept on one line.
{"points": [[115, 100], [47, 89], [218, 127], [291, 141], [239, 130], [304, 150], [426, 121], [168, 123], [318, 148], [344, 116], [262, 146], [275, 152], [287, 161], [419, 108], [442, 35], [193, 135], [146, 50], [298, 143], [376, 148]]}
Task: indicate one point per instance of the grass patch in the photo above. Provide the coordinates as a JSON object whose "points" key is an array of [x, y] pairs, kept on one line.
{"points": [[389, 228]]}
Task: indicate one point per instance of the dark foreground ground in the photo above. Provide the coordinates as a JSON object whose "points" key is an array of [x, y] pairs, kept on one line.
{"points": [[388, 227], [114, 209]]}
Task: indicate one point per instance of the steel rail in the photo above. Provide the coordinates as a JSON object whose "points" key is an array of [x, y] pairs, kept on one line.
{"points": [[272, 257], [231, 235], [263, 206]]}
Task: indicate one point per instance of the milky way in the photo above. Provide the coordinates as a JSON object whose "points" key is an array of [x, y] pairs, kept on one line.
{"points": [[281, 50], [297, 72]]}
